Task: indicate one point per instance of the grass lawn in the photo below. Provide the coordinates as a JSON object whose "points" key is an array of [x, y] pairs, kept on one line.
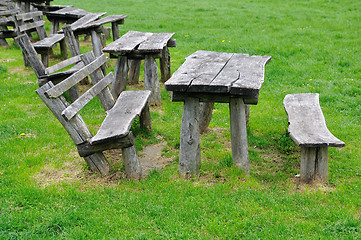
{"points": [[47, 192]]}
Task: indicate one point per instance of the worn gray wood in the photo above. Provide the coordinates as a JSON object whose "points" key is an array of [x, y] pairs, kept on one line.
{"points": [[115, 31], [132, 165], [145, 119], [85, 98], [121, 73], [117, 123], [85, 149], [314, 164], [155, 42], [164, 64], [151, 80], [134, 71], [127, 42], [307, 122], [76, 128], [85, 20], [63, 64], [30, 54], [48, 42], [205, 115], [189, 152], [105, 97], [213, 72], [239, 140], [72, 41], [60, 88]]}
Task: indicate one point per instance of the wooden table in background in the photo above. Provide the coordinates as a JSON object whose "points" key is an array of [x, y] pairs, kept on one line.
{"points": [[216, 77], [137, 46]]}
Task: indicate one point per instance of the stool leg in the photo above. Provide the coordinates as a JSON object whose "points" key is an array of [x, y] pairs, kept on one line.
{"points": [[151, 80], [189, 153], [239, 141], [121, 73], [322, 164], [45, 58], [314, 164]]}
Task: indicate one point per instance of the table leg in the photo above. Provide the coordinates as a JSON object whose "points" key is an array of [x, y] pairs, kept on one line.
{"points": [[151, 80], [240, 155], [54, 27], [190, 153], [164, 63], [134, 70], [115, 31], [205, 115], [121, 73]]}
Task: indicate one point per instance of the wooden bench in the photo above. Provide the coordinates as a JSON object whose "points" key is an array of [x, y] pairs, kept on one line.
{"points": [[53, 73], [114, 132], [308, 129], [33, 22], [7, 24]]}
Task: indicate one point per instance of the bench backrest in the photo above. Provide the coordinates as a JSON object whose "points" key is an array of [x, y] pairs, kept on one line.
{"points": [[66, 112], [31, 22]]}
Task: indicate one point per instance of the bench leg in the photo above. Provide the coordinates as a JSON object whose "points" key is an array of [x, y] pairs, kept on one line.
{"points": [[205, 115], [133, 169], [121, 74], [3, 42], [54, 27], [45, 58], [134, 70], [145, 120], [164, 62], [314, 164], [189, 153], [151, 80], [239, 141], [98, 163], [115, 31]]}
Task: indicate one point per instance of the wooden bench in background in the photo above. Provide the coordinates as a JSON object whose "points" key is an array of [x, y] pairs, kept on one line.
{"points": [[114, 132], [53, 73], [33, 22], [308, 129]]}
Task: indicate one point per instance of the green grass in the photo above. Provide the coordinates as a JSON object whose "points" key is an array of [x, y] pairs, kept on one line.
{"points": [[315, 47]]}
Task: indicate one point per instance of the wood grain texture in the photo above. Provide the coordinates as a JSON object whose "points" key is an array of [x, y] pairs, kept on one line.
{"points": [[213, 72], [189, 152], [307, 122], [48, 42], [151, 80], [117, 123], [127, 42]]}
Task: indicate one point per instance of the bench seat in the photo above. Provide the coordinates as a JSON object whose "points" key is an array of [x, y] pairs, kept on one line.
{"points": [[308, 129], [48, 42]]}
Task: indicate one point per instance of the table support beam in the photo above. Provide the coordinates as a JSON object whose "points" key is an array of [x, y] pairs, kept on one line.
{"points": [[190, 153], [240, 154]]}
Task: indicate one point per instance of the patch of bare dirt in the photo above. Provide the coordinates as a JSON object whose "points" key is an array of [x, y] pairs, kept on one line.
{"points": [[72, 171]]}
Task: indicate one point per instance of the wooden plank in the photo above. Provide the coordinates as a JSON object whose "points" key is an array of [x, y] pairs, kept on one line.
{"points": [[28, 26], [84, 99], [105, 96], [118, 121], [28, 16], [85, 149], [307, 122], [48, 42], [29, 52], [127, 42], [155, 43], [199, 68], [63, 64], [251, 77], [60, 88], [72, 41], [89, 18], [105, 20]]}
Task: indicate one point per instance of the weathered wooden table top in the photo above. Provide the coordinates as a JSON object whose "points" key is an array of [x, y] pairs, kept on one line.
{"points": [[144, 42], [67, 12], [217, 72], [79, 24]]}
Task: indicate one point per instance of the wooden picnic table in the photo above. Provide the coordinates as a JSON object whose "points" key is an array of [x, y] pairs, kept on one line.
{"points": [[216, 77], [136, 46], [29, 2], [67, 15]]}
